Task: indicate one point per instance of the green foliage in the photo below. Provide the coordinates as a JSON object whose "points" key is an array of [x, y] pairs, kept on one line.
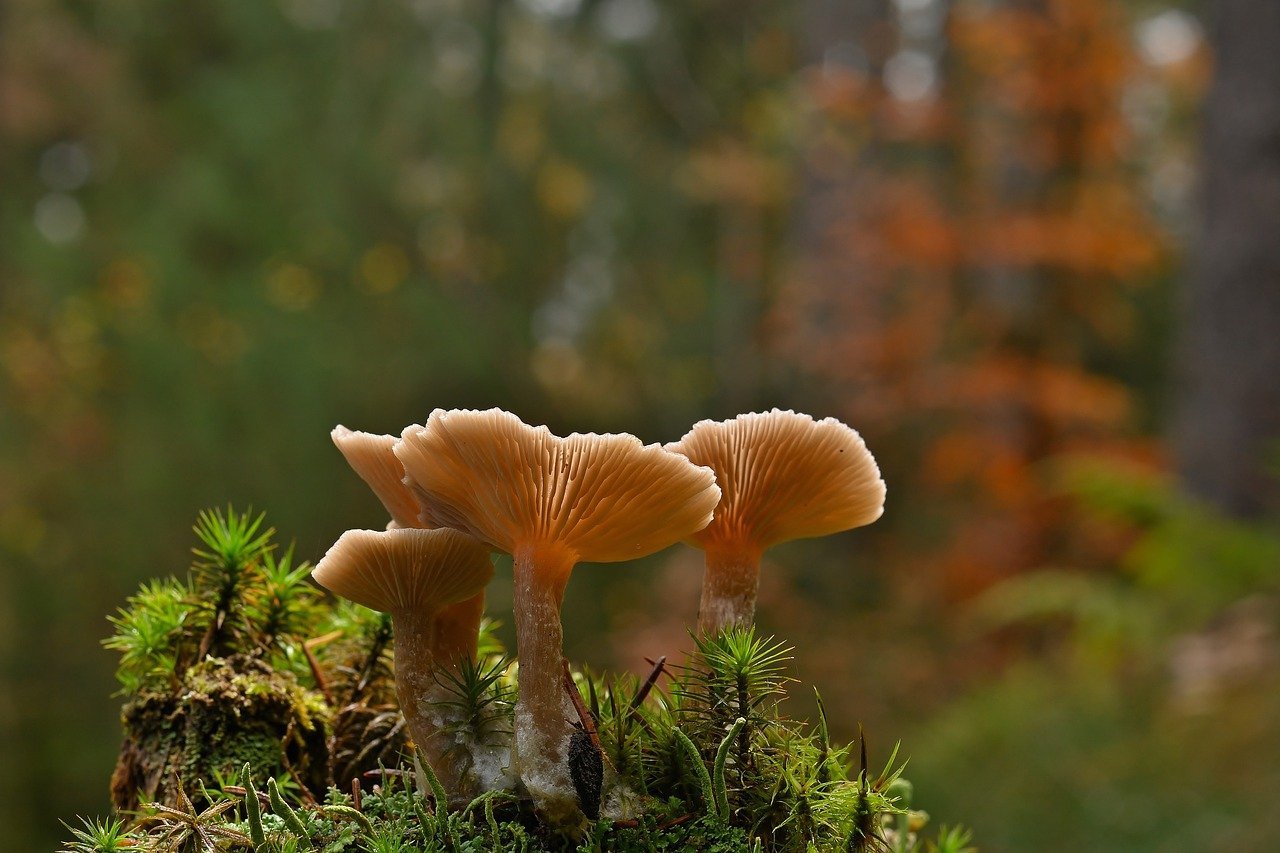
{"points": [[361, 651], [1155, 692], [148, 633], [234, 548], [952, 839], [1182, 547], [439, 799], [737, 673], [1184, 565], [284, 603], [482, 698], [718, 785], [187, 828], [706, 793], [241, 596], [252, 808], [282, 810], [248, 596], [100, 836], [488, 645]]}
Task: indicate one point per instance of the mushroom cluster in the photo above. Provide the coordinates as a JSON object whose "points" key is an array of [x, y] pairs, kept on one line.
{"points": [[469, 482]]}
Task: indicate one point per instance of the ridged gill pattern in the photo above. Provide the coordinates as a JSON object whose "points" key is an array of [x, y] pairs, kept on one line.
{"points": [[604, 498], [784, 476]]}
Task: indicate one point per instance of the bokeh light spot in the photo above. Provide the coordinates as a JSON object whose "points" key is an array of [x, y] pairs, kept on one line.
{"points": [[383, 268], [1168, 38], [59, 218], [292, 287]]}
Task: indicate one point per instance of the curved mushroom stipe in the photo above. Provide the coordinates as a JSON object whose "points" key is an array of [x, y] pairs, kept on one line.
{"points": [[550, 502], [783, 476], [432, 583]]}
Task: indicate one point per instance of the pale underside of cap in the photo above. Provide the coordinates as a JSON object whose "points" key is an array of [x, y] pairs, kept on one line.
{"points": [[371, 457], [784, 476], [604, 498], [405, 570]]}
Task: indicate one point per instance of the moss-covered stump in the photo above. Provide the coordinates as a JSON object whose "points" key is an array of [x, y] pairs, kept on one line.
{"points": [[258, 718], [223, 714]]}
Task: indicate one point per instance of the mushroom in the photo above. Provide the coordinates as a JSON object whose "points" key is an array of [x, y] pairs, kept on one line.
{"points": [[550, 502], [783, 476], [416, 575], [370, 456]]}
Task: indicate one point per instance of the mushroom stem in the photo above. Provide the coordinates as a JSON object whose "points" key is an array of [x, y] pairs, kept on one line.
{"points": [[729, 588], [424, 643], [543, 709], [458, 632]]}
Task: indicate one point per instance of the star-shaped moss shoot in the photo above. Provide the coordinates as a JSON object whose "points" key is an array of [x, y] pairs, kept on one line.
{"points": [[416, 576], [550, 502], [783, 476]]}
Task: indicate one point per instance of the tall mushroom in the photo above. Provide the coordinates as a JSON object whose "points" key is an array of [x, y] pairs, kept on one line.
{"points": [[550, 502], [783, 476], [415, 575]]}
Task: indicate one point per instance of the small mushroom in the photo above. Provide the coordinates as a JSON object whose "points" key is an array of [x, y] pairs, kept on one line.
{"points": [[783, 476], [416, 576], [371, 456], [550, 502]]}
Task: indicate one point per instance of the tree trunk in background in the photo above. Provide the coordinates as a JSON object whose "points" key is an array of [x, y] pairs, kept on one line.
{"points": [[840, 40], [1229, 421]]}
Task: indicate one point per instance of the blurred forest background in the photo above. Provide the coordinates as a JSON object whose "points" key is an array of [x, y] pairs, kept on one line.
{"points": [[1027, 247]]}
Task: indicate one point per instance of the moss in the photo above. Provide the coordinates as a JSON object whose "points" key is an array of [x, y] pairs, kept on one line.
{"points": [[224, 713]]}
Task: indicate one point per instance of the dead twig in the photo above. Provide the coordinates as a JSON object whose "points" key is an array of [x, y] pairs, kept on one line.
{"points": [[643, 692], [584, 716]]}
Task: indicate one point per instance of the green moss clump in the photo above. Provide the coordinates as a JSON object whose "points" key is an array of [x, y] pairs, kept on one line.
{"points": [[214, 672]]}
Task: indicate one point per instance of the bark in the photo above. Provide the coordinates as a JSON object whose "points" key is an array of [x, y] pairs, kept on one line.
{"points": [[1229, 418]]}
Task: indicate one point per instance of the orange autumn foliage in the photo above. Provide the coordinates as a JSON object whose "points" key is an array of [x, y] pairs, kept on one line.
{"points": [[983, 258]]}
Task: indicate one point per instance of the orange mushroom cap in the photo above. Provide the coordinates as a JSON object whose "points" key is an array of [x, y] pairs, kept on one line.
{"points": [[371, 457], [784, 476], [603, 498], [405, 570]]}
